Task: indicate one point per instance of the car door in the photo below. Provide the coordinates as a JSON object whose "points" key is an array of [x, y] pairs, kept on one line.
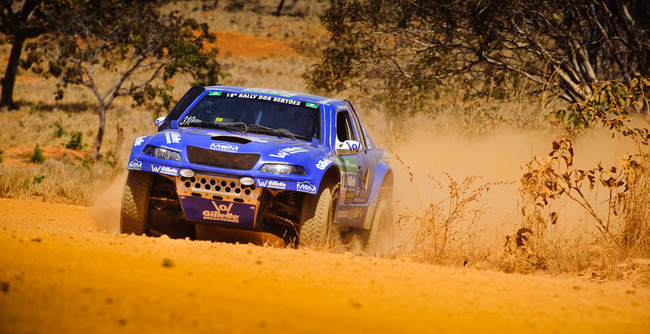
{"points": [[355, 171]]}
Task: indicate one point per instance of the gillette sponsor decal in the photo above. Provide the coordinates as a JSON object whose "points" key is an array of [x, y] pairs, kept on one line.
{"points": [[272, 184], [203, 209], [222, 213], [164, 170]]}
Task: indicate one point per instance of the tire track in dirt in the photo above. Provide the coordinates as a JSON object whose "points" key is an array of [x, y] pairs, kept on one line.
{"points": [[58, 273]]}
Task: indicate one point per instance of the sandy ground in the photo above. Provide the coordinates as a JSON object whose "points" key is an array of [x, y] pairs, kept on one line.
{"points": [[59, 274]]}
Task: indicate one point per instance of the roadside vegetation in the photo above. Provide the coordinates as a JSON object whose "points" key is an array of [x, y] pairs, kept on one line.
{"points": [[399, 65]]}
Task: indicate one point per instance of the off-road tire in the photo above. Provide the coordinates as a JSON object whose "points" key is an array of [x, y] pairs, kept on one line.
{"points": [[318, 229], [135, 203], [380, 236]]}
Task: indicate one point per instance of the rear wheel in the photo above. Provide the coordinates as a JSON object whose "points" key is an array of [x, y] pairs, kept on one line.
{"points": [[318, 229], [380, 236], [135, 203]]}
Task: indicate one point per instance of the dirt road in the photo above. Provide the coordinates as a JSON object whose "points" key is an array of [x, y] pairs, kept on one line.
{"points": [[59, 274]]}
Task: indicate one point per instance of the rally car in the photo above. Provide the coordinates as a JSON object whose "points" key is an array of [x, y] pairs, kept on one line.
{"points": [[299, 166]]}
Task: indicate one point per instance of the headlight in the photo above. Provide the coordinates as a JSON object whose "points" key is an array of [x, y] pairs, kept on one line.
{"points": [[283, 169], [162, 153]]}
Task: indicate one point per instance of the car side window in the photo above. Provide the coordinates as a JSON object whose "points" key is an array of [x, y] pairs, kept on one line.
{"points": [[344, 127], [357, 126]]}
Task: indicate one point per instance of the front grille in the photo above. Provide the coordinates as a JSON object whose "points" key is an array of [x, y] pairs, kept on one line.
{"points": [[217, 187], [202, 156]]}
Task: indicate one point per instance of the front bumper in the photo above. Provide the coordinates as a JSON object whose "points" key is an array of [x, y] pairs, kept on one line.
{"points": [[218, 199]]}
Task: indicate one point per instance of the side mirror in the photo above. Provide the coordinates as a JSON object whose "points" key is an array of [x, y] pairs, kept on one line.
{"points": [[159, 121], [349, 147]]}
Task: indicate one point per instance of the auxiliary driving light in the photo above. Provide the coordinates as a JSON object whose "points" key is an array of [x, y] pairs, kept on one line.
{"points": [[247, 181], [186, 172]]}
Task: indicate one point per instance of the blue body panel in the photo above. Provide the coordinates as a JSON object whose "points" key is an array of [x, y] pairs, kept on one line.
{"points": [[361, 174]]}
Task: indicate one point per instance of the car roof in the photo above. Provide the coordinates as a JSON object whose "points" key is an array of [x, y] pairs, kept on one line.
{"points": [[275, 93]]}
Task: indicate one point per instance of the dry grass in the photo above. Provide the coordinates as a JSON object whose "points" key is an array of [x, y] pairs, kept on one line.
{"points": [[58, 181]]}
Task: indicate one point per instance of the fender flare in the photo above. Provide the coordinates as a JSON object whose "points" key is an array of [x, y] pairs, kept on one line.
{"points": [[383, 180]]}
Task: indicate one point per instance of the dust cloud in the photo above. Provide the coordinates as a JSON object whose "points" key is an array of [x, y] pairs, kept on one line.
{"points": [[107, 205], [426, 161]]}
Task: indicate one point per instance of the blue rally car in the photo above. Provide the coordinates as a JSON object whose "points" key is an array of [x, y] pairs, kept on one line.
{"points": [[301, 167]]}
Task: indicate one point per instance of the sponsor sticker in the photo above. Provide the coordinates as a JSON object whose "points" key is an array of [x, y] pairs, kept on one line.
{"points": [[187, 120], [270, 91], [283, 153], [352, 180], [164, 170], [173, 137], [353, 213], [170, 148], [138, 141], [306, 187], [352, 146], [224, 147], [349, 164], [135, 164], [221, 212], [204, 209], [215, 93], [271, 184], [322, 164]]}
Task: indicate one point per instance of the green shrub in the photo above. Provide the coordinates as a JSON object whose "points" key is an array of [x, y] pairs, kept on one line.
{"points": [[37, 156], [59, 132], [75, 142], [38, 179]]}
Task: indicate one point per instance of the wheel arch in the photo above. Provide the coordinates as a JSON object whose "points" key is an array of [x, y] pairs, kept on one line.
{"points": [[331, 177]]}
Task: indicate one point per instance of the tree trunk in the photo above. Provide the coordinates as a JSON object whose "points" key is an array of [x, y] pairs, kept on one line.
{"points": [[278, 11], [9, 79], [117, 156], [100, 130]]}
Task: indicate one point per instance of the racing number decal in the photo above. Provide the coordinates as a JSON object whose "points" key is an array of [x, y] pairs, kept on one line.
{"points": [[353, 146]]}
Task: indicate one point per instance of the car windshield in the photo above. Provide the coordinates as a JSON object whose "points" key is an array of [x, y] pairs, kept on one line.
{"points": [[282, 117]]}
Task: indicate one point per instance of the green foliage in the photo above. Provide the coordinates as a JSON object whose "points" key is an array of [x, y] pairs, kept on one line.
{"points": [[36, 157], [38, 179], [410, 50], [85, 163], [621, 189], [609, 105], [59, 132], [133, 44], [75, 142]]}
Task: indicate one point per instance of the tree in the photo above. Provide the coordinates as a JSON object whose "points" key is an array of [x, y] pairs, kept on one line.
{"points": [[278, 11], [407, 50], [119, 48], [19, 21]]}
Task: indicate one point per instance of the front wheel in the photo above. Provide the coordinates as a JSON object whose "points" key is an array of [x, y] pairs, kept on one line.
{"points": [[318, 229], [135, 203]]}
